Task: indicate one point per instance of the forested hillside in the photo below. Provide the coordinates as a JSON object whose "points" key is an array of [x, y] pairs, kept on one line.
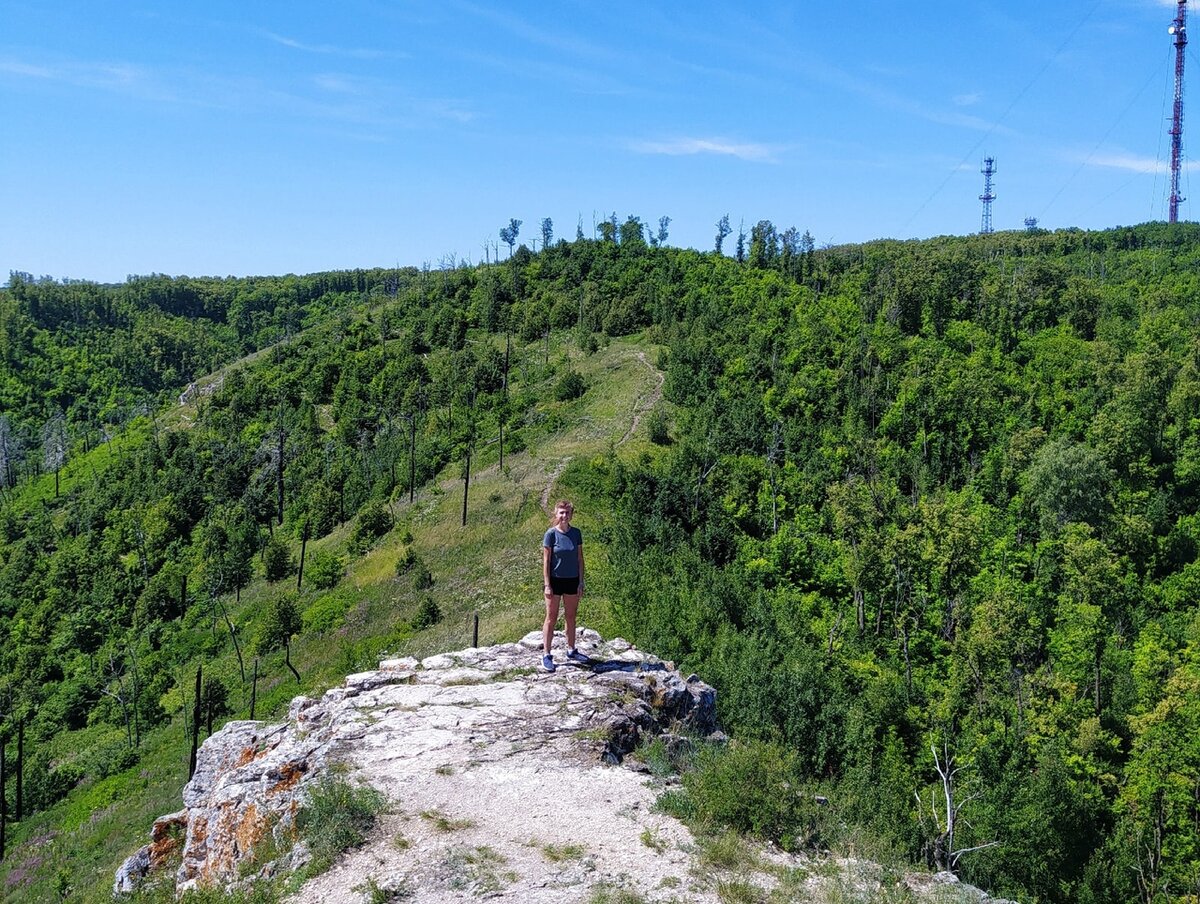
{"points": [[919, 509], [933, 509], [78, 358]]}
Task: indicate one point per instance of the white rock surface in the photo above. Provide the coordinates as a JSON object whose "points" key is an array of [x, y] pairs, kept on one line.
{"points": [[502, 780], [481, 736]]}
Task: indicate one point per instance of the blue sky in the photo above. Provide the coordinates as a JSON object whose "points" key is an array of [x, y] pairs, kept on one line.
{"points": [[224, 138]]}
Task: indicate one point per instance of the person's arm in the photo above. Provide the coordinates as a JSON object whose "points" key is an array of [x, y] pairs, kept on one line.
{"points": [[546, 569], [580, 550]]}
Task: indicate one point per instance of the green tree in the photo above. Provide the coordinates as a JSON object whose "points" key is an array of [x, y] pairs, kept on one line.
{"points": [[278, 561], [660, 237], [764, 245], [282, 623], [723, 230], [509, 233], [1159, 808], [1067, 481]]}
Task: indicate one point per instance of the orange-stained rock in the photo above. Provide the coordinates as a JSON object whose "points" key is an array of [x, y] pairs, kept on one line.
{"points": [[167, 837], [289, 776]]}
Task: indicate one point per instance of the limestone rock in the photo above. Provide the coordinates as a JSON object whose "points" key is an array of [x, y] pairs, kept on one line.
{"points": [[487, 709]]}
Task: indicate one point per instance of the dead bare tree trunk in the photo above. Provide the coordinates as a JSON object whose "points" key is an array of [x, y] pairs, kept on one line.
{"points": [[137, 732], [19, 802], [466, 483], [1150, 856], [300, 572], [237, 647], [195, 726], [412, 458], [946, 817], [279, 474], [254, 688], [118, 695], [287, 659], [3, 798]]}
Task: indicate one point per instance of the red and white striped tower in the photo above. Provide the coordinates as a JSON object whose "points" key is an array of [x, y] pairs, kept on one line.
{"points": [[1179, 30]]}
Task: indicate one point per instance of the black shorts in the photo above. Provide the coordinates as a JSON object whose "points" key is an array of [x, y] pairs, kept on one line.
{"points": [[564, 586]]}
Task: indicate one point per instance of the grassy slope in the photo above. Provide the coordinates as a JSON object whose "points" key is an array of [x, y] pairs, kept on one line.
{"points": [[492, 566]]}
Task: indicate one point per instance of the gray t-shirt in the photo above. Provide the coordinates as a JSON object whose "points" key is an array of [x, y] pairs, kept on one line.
{"points": [[564, 551]]}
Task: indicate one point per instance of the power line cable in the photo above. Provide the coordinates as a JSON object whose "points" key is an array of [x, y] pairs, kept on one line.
{"points": [[995, 125], [1100, 143]]}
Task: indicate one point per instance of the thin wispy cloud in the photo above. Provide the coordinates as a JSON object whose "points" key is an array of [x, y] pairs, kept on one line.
{"points": [[381, 105], [521, 28], [358, 53], [1134, 163], [967, 100], [579, 79], [369, 99], [338, 84], [453, 111], [27, 70], [682, 147], [120, 77]]}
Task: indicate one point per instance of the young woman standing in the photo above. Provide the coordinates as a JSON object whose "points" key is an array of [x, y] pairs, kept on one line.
{"points": [[562, 573]]}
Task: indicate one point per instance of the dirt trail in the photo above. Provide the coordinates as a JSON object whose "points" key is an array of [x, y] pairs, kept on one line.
{"points": [[641, 405], [550, 481], [647, 401]]}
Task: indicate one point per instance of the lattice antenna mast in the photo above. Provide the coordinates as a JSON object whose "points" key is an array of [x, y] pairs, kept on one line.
{"points": [[988, 196], [1179, 30]]}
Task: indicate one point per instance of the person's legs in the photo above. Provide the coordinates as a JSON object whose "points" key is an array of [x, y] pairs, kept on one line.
{"points": [[570, 610], [551, 619]]}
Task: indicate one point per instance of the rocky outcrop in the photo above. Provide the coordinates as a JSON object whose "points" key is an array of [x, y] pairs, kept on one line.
{"points": [[500, 784], [484, 711]]}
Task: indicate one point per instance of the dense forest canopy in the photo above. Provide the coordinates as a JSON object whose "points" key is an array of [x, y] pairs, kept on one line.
{"points": [[928, 509]]}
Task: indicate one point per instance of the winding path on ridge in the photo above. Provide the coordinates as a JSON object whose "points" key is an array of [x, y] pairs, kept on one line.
{"points": [[641, 405]]}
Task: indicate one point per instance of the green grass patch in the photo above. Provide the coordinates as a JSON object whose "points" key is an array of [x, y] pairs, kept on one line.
{"points": [[444, 823], [607, 893], [476, 868], [556, 853], [336, 817], [651, 840]]}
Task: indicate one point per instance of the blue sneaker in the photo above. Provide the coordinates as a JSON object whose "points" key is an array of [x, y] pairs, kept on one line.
{"points": [[548, 663], [576, 656]]}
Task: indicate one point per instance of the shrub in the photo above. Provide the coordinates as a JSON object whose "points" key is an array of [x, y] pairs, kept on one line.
{"points": [[657, 427], [324, 569], [323, 505], [570, 385], [514, 442], [748, 786], [280, 626], [422, 576], [326, 613], [278, 561], [373, 522], [405, 561], [428, 615], [336, 817]]}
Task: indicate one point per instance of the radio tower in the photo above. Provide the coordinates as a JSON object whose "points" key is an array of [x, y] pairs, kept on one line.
{"points": [[989, 169], [1179, 30]]}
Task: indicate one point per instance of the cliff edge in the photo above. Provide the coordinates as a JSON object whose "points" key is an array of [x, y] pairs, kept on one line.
{"points": [[487, 763], [500, 782]]}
